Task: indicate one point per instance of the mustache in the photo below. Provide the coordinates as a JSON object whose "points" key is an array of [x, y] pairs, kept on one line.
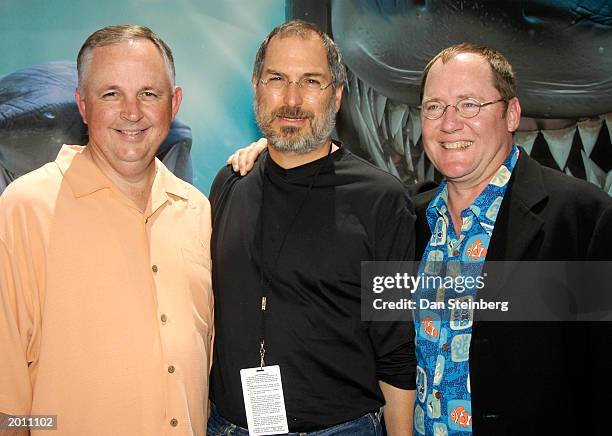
{"points": [[292, 112]]}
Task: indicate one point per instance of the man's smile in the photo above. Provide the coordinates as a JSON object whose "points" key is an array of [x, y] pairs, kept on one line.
{"points": [[456, 145], [132, 134]]}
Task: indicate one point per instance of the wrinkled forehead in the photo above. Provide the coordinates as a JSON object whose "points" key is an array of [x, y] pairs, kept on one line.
{"points": [[111, 58], [463, 75], [303, 36], [304, 50]]}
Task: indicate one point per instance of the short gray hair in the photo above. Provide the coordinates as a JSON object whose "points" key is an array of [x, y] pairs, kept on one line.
{"points": [[304, 29], [116, 34]]}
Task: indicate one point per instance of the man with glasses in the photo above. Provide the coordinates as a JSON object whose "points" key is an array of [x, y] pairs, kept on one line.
{"points": [[287, 246], [498, 204]]}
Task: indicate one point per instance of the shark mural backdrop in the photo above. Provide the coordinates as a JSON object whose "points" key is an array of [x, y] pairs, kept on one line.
{"points": [[561, 51], [214, 44], [38, 114]]}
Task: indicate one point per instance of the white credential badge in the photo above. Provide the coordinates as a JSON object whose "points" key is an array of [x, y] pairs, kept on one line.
{"points": [[264, 402]]}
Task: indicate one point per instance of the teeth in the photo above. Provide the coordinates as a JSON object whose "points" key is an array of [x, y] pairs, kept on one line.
{"points": [[594, 174], [131, 132], [560, 144], [389, 131], [390, 134], [589, 132], [526, 139], [458, 144]]}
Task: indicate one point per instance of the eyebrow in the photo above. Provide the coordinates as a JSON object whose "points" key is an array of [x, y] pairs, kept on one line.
{"points": [[142, 88], [158, 91], [459, 97], [313, 75], [307, 74], [464, 96]]}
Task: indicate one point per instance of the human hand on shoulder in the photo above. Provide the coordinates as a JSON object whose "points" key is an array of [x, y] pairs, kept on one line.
{"points": [[243, 159]]}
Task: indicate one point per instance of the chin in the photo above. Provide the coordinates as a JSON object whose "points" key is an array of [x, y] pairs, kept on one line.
{"points": [[134, 155], [455, 171]]}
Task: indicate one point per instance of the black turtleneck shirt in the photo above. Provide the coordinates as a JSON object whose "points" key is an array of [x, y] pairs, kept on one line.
{"points": [[330, 360]]}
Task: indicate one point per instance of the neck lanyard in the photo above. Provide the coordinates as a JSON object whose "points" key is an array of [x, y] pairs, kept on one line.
{"points": [[265, 280]]}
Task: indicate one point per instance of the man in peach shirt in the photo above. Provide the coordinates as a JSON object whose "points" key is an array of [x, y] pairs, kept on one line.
{"points": [[105, 291]]}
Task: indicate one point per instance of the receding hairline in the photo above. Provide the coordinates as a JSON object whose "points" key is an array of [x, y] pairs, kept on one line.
{"points": [[303, 34], [504, 79], [449, 57], [304, 29], [88, 55], [117, 34]]}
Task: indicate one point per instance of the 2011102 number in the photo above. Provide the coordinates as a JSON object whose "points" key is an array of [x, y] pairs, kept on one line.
{"points": [[36, 422]]}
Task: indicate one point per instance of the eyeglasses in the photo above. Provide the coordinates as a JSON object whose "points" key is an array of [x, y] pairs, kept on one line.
{"points": [[467, 108], [310, 87]]}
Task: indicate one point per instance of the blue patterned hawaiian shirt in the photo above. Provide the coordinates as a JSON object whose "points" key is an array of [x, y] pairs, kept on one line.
{"points": [[443, 331]]}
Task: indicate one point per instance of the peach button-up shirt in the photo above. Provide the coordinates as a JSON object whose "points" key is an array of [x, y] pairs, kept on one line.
{"points": [[105, 311]]}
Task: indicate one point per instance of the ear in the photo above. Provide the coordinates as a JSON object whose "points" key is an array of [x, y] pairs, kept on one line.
{"points": [[80, 102], [338, 96], [177, 98], [513, 114], [254, 82]]}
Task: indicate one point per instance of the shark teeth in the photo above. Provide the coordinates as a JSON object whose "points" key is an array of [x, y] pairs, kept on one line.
{"points": [[457, 144], [389, 133]]}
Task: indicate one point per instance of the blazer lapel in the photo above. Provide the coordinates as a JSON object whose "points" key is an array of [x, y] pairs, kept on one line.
{"points": [[517, 225]]}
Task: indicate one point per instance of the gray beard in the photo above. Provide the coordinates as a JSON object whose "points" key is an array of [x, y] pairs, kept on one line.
{"points": [[288, 141]]}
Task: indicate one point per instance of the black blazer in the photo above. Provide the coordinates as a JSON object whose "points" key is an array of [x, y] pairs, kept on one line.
{"points": [[540, 377]]}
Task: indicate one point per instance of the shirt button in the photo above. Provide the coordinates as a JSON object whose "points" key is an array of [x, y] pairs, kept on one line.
{"points": [[174, 422], [171, 369], [163, 318], [455, 253], [154, 268], [438, 395], [445, 347]]}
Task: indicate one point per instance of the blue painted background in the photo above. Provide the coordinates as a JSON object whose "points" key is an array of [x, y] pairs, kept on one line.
{"points": [[214, 45]]}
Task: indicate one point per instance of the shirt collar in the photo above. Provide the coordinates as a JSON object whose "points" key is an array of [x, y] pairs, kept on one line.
{"points": [[78, 169], [438, 205], [85, 178], [302, 174], [165, 184]]}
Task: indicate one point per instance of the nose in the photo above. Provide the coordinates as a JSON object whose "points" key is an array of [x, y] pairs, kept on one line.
{"points": [[293, 94], [451, 120], [131, 110]]}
